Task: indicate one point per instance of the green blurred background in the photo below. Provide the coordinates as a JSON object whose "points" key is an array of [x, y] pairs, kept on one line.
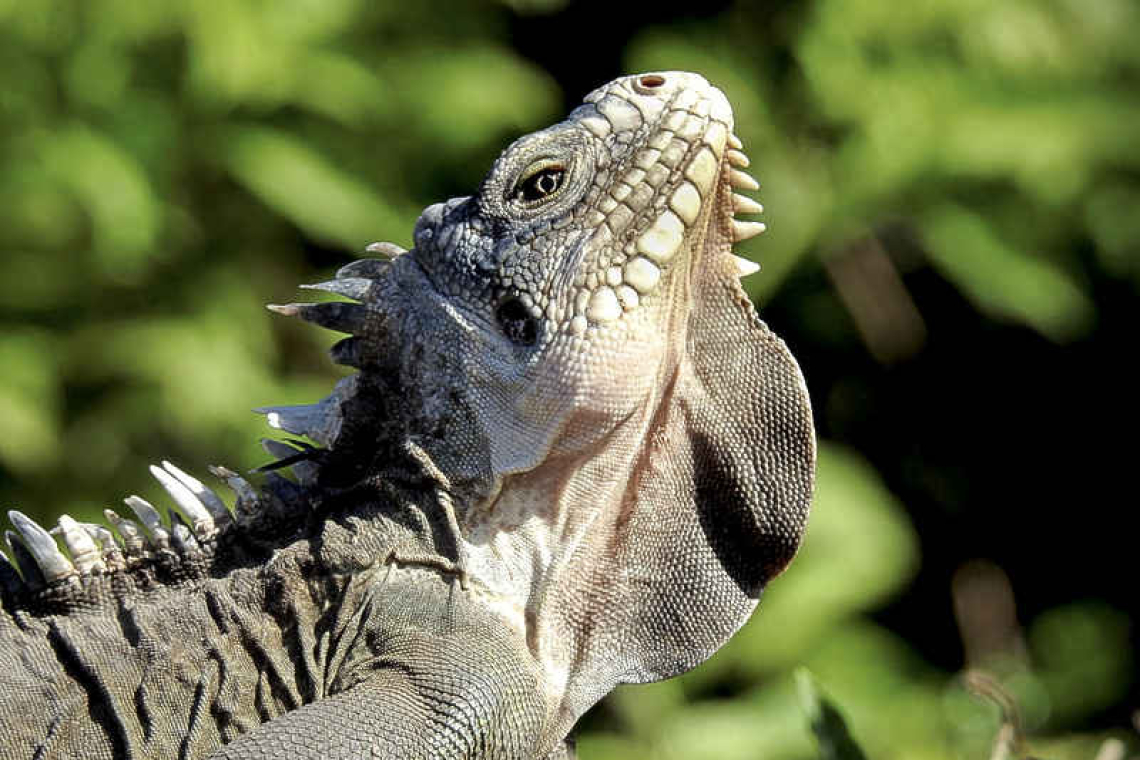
{"points": [[953, 195]]}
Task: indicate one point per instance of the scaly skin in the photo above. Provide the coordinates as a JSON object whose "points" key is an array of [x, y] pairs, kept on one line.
{"points": [[572, 457]]}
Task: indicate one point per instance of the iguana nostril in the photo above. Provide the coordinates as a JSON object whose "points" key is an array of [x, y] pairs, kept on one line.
{"points": [[651, 81]]}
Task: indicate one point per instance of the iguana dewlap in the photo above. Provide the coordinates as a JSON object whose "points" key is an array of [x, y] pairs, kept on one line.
{"points": [[571, 457]]}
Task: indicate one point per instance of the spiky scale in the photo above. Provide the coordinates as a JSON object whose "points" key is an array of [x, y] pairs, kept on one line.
{"points": [[248, 501], [151, 520], [367, 268], [105, 540], [279, 449], [386, 249], [134, 539], [10, 581], [341, 316], [188, 502], [42, 547], [23, 560], [81, 546], [737, 159], [744, 267], [317, 421], [355, 288], [306, 472], [742, 204], [742, 180], [744, 230], [207, 496], [182, 537]]}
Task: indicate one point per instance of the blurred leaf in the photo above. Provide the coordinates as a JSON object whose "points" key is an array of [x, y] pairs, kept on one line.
{"points": [[1082, 657], [1003, 281]]}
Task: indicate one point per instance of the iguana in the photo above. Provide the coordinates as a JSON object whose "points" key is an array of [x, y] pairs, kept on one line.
{"points": [[571, 457]]}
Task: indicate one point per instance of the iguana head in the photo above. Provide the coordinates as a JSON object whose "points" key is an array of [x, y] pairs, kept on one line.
{"points": [[630, 448]]}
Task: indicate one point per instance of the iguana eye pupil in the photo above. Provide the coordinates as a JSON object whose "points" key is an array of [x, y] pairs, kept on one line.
{"points": [[517, 322], [541, 184]]}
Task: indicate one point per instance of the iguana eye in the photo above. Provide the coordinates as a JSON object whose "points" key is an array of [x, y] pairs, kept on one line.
{"points": [[540, 182], [517, 322]]}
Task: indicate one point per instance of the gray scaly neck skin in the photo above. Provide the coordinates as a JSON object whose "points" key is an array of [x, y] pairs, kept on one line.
{"points": [[586, 380]]}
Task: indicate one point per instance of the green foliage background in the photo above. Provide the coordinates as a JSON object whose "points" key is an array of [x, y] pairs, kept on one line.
{"points": [[165, 168]]}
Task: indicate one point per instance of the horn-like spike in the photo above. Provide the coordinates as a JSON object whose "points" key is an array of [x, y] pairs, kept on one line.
{"points": [[744, 267], [742, 180], [100, 534], [305, 471], [280, 449], [734, 142], [248, 500], [348, 352], [355, 288], [737, 159], [742, 204], [80, 545], [134, 540], [187, 501], [111, 554], [317, 421], [386, 249], [745, 230], [218, 509], [151, 520], [182, 537], [23, 560], [340, 316], [43, 548], [369, 269]]}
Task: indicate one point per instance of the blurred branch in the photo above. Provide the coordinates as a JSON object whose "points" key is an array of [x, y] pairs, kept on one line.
{"points": [[986, 613], [871, 288]]}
